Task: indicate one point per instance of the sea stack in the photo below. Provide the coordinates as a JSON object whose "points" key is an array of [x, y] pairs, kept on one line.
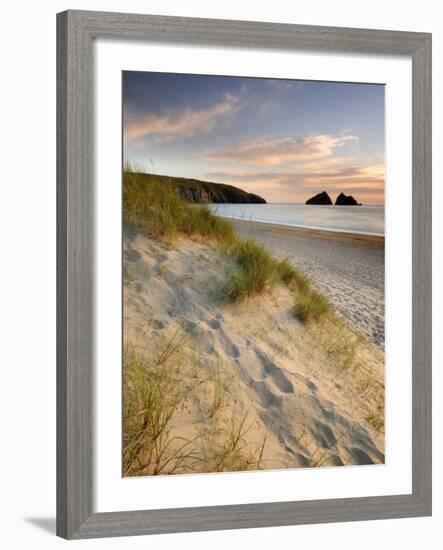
{"points": [[321, 198], [346, 200]]}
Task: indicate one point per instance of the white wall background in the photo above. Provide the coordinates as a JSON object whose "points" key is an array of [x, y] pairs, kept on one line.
{"points": [[27, 273]]}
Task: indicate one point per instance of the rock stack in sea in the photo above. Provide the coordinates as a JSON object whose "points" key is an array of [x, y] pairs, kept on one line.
{"points": [[320, 198], [346, 200], [341, 200]]}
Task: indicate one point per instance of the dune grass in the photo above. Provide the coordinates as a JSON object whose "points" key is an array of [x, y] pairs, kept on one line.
{"points": [[220, 389], [154, 391], [376, 420], [153, 204], [255, 270], [310, 306], [226, 449], [151, 396]]}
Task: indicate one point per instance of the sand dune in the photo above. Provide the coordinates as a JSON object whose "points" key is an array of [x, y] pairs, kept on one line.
{"points": [[312, 411]]}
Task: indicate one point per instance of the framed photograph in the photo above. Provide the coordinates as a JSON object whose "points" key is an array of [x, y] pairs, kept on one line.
{"points": [[244, 274]]}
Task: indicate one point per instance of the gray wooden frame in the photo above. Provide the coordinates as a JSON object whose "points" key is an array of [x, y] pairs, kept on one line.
{"points": [[76, 32]]}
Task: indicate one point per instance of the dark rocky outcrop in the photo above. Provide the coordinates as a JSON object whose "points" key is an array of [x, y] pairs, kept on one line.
{"points": [[205, 192], [346, 200], [194, 195], [321, 198]]}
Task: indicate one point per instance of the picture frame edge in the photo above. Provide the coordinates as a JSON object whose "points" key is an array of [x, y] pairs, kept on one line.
{"points": [[76, 31]]}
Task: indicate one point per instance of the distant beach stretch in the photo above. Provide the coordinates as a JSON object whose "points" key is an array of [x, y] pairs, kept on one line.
{"points": [[347, 267]]}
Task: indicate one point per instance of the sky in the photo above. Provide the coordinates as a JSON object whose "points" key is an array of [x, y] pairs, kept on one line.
{"points": [[285, 140]]}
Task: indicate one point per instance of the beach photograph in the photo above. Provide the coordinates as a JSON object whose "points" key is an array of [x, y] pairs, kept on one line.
{"points": [[253, 274]]}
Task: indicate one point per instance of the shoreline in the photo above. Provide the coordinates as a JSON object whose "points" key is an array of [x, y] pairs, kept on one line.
{"points": [[313, 231]]}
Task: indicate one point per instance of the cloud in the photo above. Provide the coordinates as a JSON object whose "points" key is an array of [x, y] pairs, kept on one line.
{"points": [[345, 177], [301, 167], [278, 89], [281, 150], [175, 124], [365, 181]]}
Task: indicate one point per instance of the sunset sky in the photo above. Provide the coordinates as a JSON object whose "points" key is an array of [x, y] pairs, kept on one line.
{"points": [[282, 139]]}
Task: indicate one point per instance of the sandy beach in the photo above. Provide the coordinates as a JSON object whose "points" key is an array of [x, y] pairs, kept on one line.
{"points": [[347, 267], [252, 368]]}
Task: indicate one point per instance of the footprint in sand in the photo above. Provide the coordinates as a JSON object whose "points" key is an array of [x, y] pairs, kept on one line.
{"points": [[301, 461], [358, 456], [214, 324], [190, 326], [323, 435], [132, 255], [140, 270], [230, 348], [204, 338], [363, 441], [333, 460], [310, 385], [267, 398], [161, 264], [275, 373]]}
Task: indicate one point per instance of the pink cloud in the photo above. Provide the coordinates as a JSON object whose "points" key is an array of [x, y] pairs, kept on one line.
{"points": [[281, 150], [175, 124]]}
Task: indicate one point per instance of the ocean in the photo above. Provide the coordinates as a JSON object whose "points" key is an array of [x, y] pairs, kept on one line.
{"points": [[369, 220]]}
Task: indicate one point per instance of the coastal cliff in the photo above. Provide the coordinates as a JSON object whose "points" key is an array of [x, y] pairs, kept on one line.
{"points": [[205, 192]]}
